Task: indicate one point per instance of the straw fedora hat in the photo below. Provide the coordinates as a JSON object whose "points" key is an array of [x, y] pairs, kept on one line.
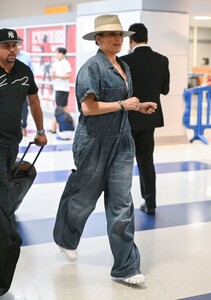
{"points": [[106, 23]]}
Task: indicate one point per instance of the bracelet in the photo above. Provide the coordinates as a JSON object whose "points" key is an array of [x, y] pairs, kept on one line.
{"points": [[121, 105]]}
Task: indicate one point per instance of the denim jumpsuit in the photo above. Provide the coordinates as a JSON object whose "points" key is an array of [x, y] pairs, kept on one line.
{"points": [[103, 151]]}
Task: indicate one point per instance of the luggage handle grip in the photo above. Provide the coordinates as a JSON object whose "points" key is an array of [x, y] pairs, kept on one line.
{"points": [[25, 152]]}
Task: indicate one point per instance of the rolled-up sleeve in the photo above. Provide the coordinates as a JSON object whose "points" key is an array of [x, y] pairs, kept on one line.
{"points": [[88, 81]]}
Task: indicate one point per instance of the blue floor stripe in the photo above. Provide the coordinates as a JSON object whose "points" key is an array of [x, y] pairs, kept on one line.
{"points": [[199, 297], [51, 177], [181, 166], [40, 231], [174, 215], [61, 176]]}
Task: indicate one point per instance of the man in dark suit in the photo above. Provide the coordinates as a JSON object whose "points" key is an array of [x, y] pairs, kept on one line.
{"points": [[150, 77]]}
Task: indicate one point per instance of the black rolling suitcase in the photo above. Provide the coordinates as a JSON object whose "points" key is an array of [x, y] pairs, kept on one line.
{"points": [[21, 178], [10, 243]]}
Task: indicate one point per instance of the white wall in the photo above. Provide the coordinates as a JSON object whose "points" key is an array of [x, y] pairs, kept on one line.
{"points": [[25, 8], [203, 46], [171, 41]]}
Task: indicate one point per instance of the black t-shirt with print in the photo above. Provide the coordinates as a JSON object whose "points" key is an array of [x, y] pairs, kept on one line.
{"points": [[14, 88]]}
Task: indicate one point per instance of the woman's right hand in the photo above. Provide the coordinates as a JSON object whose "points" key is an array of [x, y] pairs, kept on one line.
{"points": [[134, 104], [131, 104]]}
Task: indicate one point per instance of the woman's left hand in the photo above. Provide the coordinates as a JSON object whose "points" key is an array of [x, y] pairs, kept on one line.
{"points": [[148, 107]]}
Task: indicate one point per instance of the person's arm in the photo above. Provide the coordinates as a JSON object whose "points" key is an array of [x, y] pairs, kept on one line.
{"points": [[166, 81], [34, 103], [90, 106], [64, 76]]}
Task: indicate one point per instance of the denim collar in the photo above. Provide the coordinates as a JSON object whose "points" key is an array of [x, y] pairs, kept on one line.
{"points": [[107, 61], [104, 59]]}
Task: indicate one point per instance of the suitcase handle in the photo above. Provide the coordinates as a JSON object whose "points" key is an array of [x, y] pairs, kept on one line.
{"points": [[22, 158]]}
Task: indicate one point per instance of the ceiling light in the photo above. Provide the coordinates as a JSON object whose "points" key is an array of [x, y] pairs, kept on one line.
{"points": [[202, 18]]}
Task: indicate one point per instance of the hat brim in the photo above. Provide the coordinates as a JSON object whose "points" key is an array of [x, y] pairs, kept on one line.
{"points": [[11, 40], [91, 36]]}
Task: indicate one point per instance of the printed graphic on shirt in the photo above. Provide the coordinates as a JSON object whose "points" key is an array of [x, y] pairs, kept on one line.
{"points": [[24, 80], [2, 83]]}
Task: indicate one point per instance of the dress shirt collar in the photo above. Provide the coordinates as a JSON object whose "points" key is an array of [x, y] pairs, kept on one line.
{"points": [[140, 45]]}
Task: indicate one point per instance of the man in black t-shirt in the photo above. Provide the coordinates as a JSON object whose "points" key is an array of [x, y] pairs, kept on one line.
{"points": [[16, 83]]}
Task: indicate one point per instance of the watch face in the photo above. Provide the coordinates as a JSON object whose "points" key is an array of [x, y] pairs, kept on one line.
{"points": [[41, 131]]}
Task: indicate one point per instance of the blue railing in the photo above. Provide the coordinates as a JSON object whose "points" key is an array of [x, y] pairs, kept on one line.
{"points": [[201, 96]]}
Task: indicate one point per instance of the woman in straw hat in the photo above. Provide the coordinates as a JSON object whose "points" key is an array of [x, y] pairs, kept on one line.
{"points": [[103, 152]]}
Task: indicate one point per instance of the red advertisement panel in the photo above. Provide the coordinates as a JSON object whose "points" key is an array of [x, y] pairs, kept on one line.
{"points": [[71, 38], [41, 43]]}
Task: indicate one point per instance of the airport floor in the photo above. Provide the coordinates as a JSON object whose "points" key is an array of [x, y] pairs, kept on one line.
{"points": [[175, 244]]}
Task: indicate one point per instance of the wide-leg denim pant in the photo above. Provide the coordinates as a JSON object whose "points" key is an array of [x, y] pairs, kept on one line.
{"points": [[104, 161]]}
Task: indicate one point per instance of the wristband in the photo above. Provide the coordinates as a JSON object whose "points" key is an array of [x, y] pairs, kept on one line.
{"points": [[41, 131]]}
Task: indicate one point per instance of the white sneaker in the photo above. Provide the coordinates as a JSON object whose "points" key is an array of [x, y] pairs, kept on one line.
{"points": [[71, 255], [137, 279]]}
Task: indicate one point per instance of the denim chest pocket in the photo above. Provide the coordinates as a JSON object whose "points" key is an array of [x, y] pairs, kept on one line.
{"points": [[82, 143], [112, 94]]}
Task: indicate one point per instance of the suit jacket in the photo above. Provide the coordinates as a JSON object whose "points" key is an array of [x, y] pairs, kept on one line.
{"points": [[150, 77]]}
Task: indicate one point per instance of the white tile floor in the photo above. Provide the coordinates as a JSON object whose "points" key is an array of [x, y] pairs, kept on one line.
{"points": [[175, 245]]}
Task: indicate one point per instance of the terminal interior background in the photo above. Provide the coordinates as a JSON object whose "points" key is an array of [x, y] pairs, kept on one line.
{"points": [[175, 243]]}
